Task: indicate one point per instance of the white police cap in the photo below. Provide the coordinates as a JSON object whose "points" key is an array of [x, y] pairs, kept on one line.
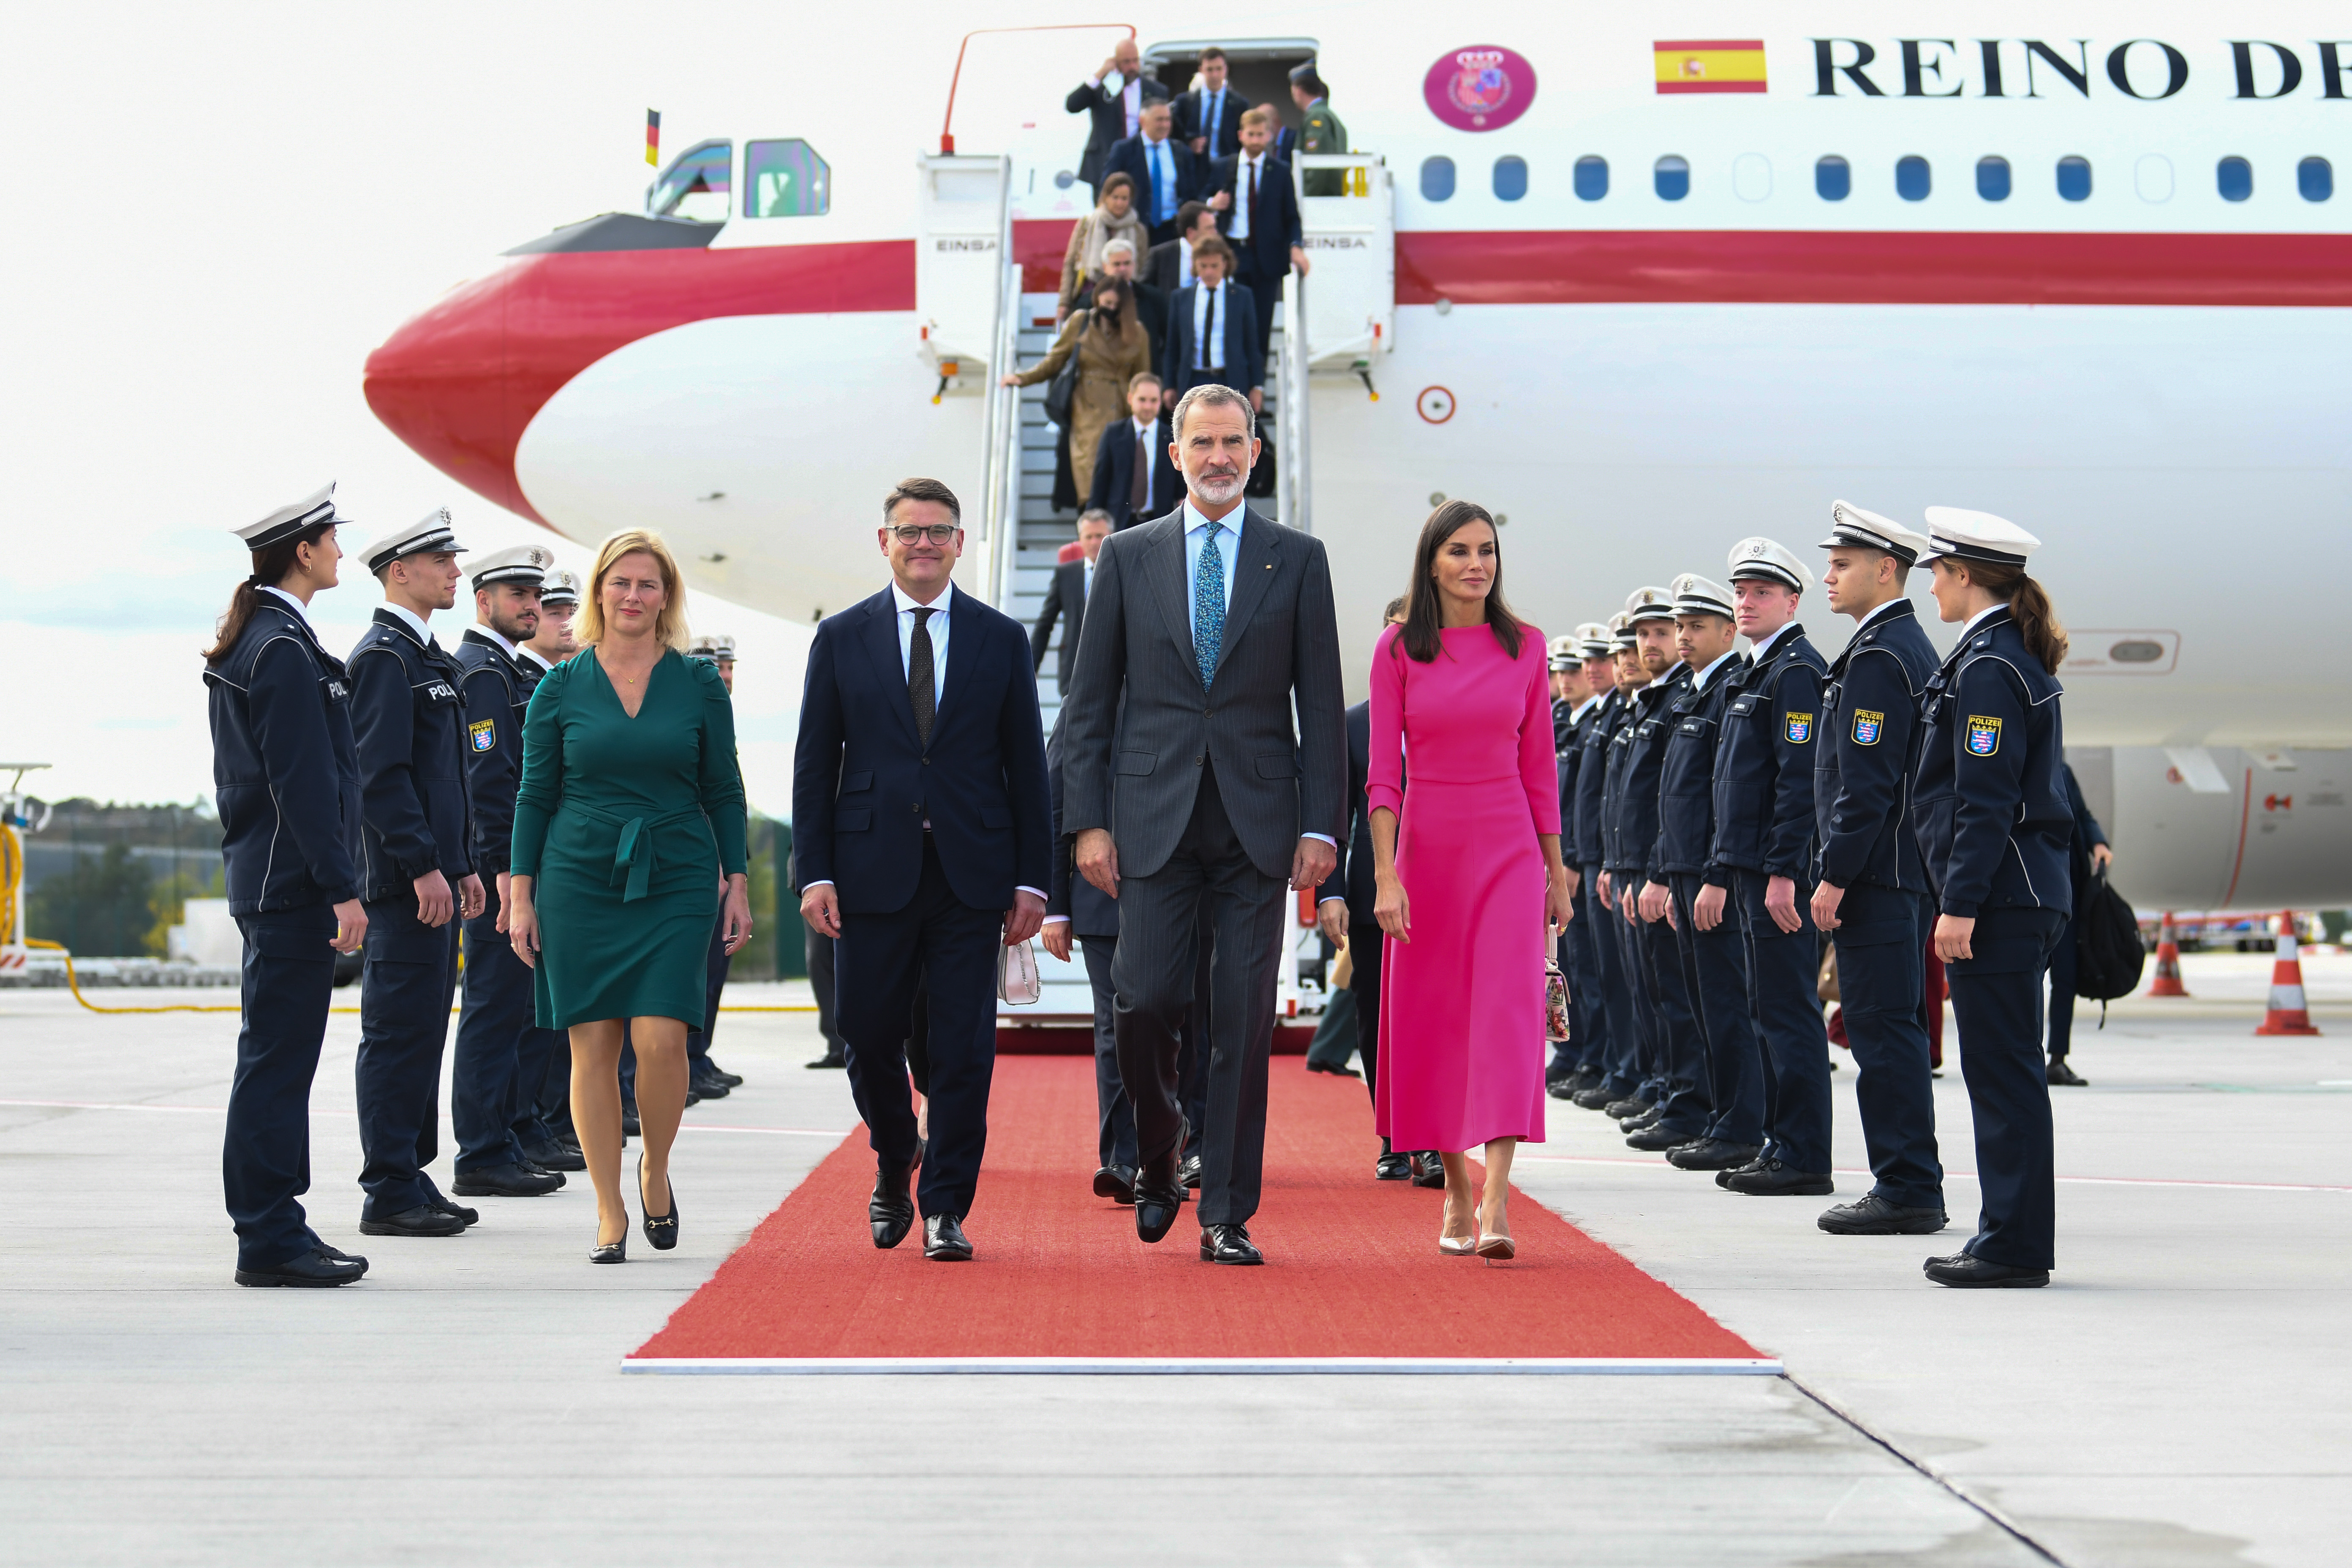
{"points": [[1621, 630], [1849, 524], [1598, 639], [1650, 605], [1772, 563], [1567, 652], [1698, 595], [431, 532], [712, 648], [560, 587], [289, 520], [1976, 536], [523, 564]]}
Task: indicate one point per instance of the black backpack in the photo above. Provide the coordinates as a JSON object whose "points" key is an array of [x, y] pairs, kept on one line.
{"points": [[2108, 956]]}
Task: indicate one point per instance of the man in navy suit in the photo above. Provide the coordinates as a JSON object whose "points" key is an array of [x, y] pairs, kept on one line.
{"points": [[1213, 332], [1121, 457], [923, 839], [1257, 210], [1209, 118], [1114, 97], [1165, 172]]}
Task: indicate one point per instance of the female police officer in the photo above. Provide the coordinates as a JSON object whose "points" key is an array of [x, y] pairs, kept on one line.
{"points": [[289, 797], [1991, 807]]}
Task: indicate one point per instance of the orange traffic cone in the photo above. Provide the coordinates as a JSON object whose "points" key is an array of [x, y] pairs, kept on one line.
{"points": [[2168, 963], [2287, 1013]]}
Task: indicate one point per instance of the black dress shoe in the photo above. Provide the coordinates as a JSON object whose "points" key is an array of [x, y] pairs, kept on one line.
{"points": [[1966, 1271], [1431, 1169], [1593, 1099], [507, 1181], [1561, 1089], [1392, 1168], [1116, 1182], [1158, 1198], [1656, 1139], [1723, 1177], [629, 1126], [1228, 1244], [312, 1270], [1189, 1173], [2060, 1075], [943, 1239], [830, 1059], [551, 1155], [662, 1231], [1873, 1216], [1342, 1070], [421, 1220], [338, 1254], [536, 1169], [611, 1251], [732, 1079], [1773, 1179], [891, 1210], [1630, 1105], [1712, 1154], [1645, 1121], [432, 1199], [708, 1084]]}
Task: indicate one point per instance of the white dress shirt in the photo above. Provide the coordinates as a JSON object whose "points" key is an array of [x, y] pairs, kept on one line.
{"points": [[1980, 615], [1886, 609], [1131, 94], [301, 611], [1698, 681], [492, 633], [1209, 352], [423, 632], [532, 654], [1765, 647], [1242, 169], [1183, 261]]}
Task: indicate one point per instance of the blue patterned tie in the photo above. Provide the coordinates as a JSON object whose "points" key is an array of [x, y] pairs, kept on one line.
{"points": [[1209, 606]]}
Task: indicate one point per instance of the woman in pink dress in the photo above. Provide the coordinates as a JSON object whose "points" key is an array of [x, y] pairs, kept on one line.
{"points": [[1469, 879]]}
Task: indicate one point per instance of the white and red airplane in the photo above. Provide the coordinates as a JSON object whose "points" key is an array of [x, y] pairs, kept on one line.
{"points": [[1641, 289]]}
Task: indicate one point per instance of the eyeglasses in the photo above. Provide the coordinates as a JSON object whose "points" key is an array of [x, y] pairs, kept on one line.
{"points": [[938, 533]]}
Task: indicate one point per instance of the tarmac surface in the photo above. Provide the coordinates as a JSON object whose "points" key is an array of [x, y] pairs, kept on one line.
{"points": [[2181, 1395]]}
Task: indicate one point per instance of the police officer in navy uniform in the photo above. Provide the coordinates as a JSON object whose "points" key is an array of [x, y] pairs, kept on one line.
{"points": [[1713, 960], [1591, 648], [1762, 880], [1610, 1004], [1565, 662], [287, 787], [1870, 885], [544, 1108], [1995, 821], [500, 1050], [705, 1078], [408, 718], [1634, 676]]}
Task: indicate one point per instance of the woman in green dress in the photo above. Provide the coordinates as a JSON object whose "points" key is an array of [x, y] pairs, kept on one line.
{"points": [[630, 809]]}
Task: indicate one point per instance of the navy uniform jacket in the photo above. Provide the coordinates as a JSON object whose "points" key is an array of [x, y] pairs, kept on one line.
{"points": [[408, 718], [1351, 878], [1990, 803], [286, 779], [496, 690], [864, 783], [1565, 754], [1591, 778], [1764, 764], [1862, 769], [1639, 751], [1686, 773]]}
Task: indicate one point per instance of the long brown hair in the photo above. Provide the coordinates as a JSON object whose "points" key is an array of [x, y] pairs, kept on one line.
{"points": [[271, 566], [2029, 607], [1115, 320], [1423, 618]]}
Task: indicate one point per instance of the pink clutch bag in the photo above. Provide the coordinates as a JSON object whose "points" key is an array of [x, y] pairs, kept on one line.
{"points": [[1017, 982]]}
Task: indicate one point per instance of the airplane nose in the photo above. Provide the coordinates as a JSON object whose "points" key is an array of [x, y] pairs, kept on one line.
{"points": [[441, 383]]}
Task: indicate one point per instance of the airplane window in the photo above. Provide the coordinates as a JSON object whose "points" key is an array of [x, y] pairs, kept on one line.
{"points": [[2314, 179], [2152, 176], [2074, 179], [1592, 178], [2235, 177], [1510, 178], [1833, 179], [785, 179], [1751, 177], [696, 185], [1912, 178], [1993, 179], [1437, 179], [1673, 178]]}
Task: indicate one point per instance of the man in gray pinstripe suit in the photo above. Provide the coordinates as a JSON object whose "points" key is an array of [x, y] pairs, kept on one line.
{"points": [[1183, 775]]}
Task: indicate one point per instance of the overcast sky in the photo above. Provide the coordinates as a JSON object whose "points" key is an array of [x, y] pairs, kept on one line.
{"points": [[221, 210]]}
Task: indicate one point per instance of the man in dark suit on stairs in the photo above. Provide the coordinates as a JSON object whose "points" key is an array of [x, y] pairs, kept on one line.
{"points": [[923, 838], [1114, 97], [1213, 335], [1066, 598], [1257, 208], [1134, 479]]}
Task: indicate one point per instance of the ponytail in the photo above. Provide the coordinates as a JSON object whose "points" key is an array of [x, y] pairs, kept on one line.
{"points": [[2029, 607], [271, 566]]}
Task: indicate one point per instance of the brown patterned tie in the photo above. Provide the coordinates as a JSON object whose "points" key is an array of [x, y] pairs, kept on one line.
{"points": [[920, 690]]}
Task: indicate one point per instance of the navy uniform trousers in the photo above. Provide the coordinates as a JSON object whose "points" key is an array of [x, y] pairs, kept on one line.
{"points": [[936, 942], [1581, 962], [1882, 938], [716, 965], [1681, 1051], [1611, 1000], [1997, 1001], [1649, 1080], [487, 1070], [290, 977], [405, 988], [1784, 1005], [1715, 970]]}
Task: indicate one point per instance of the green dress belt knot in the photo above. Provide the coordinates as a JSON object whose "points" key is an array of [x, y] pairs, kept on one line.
{"points": [[633, 855]]}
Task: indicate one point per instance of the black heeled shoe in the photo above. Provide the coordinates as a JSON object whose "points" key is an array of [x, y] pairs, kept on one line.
{"points": [[663, 1231], [611, 1251]]}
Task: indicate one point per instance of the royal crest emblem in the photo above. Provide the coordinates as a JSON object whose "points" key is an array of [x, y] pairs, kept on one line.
{"points": [[1483, 87], [1984, 734], [484, 733], [1867, 726], [1800, 729]]}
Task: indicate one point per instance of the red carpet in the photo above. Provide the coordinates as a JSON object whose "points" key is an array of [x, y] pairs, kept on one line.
{"points": [[1353, 1269]]}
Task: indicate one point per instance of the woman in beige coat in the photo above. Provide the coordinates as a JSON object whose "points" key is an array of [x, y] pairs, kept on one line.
{"points": [[1114, 218], [1112, 350]]}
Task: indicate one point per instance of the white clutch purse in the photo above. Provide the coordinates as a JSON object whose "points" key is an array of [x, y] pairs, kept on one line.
{"points": [[1017, 985]]}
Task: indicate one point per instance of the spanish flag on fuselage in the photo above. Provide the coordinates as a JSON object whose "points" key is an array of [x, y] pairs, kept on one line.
{"points": [[1710, 64]]}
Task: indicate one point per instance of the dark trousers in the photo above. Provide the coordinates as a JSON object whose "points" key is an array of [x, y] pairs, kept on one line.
{"points": [[947, 948], [1715, 970], [1612, 1001], [1154, 980], [1366, 943], [1115, 1140], [1786, 1009], [2062, 987], [1266, 289], [1649, 1078], [1682, 1052], [1997, 1002], [1156, 233], [290, 977], [405, 989], [1581, 964], [714, 966], [1335, 1033], [537, 1057], [820, 950], [1881, 943], [485, 1066]]}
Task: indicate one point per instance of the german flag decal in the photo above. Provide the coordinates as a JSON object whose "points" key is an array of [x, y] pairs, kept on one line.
{"points": [[1709, 64]]}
